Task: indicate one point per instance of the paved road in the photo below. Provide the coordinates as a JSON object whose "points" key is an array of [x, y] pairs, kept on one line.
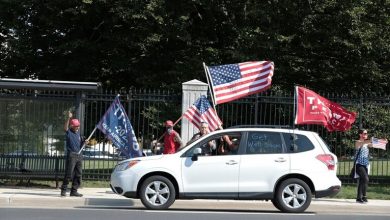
{"points": [[103, 198], [171, 214]]}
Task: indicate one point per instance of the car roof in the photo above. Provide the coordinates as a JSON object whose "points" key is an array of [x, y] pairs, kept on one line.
{"points": [[284, 130]]}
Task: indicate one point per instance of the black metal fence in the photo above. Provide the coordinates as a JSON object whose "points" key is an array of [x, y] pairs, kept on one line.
{"points": [[31, 124]]}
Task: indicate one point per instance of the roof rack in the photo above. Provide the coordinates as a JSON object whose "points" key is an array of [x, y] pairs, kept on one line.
{"points": [[261, 126]]}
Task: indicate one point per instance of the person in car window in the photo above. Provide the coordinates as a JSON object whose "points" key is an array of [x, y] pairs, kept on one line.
{"points": [[210, 147], [228, 145]]}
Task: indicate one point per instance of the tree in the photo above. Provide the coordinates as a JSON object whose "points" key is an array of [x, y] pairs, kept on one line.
{"points": [[324, 45]]}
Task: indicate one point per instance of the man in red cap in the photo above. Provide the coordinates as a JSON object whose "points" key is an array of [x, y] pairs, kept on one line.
{"points": [[172, 140], [73, 166]]}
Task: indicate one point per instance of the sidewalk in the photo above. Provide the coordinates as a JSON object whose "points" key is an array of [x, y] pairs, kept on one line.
{"points": [[104, 197], [50, 197]]}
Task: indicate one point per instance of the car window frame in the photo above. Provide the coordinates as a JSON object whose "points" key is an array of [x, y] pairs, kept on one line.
{"points": [[214, 137], [282, 142], [298, 151]]}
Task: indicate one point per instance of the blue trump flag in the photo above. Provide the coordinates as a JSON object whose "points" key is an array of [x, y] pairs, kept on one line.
{"points": [[116, 126]]}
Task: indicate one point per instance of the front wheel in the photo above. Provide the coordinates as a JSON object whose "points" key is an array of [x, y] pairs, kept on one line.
{"points": [[293, 195], [157, 192]]}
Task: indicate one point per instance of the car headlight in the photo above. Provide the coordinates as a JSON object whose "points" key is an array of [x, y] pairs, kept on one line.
{"points": [[126, 165]]}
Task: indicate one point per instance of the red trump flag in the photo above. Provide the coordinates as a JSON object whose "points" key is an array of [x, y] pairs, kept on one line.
{"points": [[315, 109]]}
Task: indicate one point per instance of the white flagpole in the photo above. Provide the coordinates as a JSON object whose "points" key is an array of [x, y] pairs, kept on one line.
{"points": [[206, 69], [88, 139]]}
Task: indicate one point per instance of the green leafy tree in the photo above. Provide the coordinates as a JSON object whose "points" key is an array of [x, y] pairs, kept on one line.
{"points": [[324, 45]]}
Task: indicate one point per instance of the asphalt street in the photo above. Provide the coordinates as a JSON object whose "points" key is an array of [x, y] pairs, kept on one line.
{"points": [[104, 198]]}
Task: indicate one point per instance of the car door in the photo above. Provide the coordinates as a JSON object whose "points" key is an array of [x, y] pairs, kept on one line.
{"points": [[265, 160], [215, 176]]}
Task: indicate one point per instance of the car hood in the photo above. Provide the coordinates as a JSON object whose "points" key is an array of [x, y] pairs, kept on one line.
{"points": [[146, 158], [154, 157]]}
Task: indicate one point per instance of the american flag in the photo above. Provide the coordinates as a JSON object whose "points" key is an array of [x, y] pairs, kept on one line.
{"points": [[379, 143], [233, 81], [201, 111]]}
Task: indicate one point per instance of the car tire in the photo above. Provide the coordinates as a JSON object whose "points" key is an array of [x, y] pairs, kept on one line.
{"points": [[157, 192], [292, 195], [276, 204]]}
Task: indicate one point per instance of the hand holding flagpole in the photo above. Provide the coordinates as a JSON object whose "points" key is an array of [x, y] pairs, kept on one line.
{"points": [[87, 140]]}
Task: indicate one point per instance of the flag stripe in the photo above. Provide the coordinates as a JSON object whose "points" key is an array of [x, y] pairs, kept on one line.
{"points": [[233, 81], [208, 117], [201, 111], [232, 98], [251, 84], [246, 81], [379, 143]]}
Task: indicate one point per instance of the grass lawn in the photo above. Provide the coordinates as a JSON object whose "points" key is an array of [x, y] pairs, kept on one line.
{"points": [[373, 192], [99, 164]]}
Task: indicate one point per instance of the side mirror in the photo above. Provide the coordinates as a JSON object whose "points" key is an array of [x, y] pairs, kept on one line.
{"points": [[197, 151]]}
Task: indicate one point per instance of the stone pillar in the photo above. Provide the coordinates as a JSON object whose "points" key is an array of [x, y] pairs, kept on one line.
{"points": [[192, 90]]}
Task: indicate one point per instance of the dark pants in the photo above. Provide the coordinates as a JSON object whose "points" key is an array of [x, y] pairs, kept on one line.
{"points": [[363, 181], [73, 171]]}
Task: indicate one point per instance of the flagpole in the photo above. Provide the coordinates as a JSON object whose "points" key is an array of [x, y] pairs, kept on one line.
{"points": [[208, 82], [295, 94], [211, 88], [82, 147]]}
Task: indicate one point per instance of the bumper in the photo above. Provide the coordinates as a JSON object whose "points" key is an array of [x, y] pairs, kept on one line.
{"points": [[124, 183], [331, 191]]}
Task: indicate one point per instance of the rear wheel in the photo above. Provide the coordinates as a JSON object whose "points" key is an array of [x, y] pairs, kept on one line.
{"points": [[293, 195], [157, 192]]}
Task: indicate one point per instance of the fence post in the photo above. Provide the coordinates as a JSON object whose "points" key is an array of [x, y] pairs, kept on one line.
{"points": [[192, 90], [57, 170]]}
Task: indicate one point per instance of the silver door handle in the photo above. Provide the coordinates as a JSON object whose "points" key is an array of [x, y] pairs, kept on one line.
{"points": [[231, 162], [280, 160]]}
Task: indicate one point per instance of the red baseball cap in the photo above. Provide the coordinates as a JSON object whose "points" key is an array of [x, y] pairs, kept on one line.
{"points": [[74, 122], [169, 123]]}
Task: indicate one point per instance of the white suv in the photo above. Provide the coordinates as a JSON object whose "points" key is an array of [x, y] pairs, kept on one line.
{"points": [[285, 166]]}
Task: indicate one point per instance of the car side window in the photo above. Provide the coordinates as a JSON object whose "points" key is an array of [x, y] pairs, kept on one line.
{"points": [[297, 143], [208, 148], [264, 143], [220, 144]]}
